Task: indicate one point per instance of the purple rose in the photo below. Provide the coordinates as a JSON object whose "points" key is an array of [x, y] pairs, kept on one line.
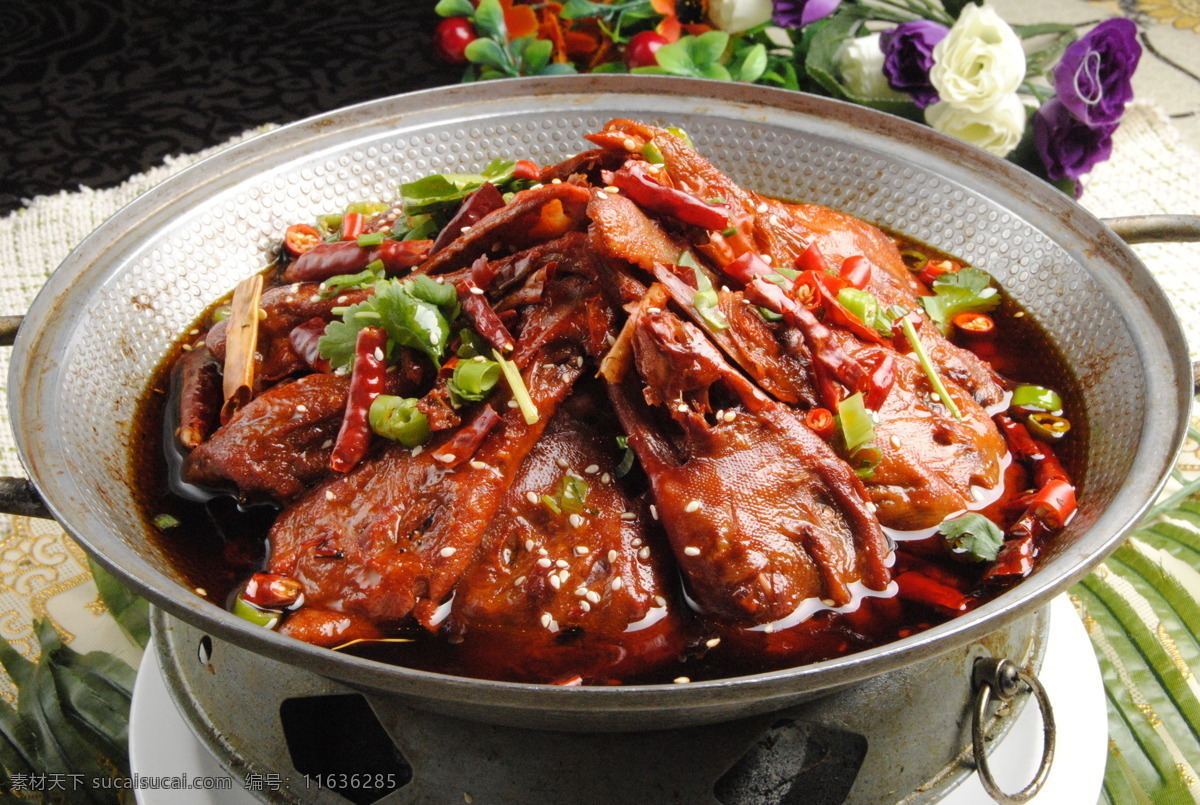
{"points": [[798, 13], [1093, 78], [908, 55], [1068, 147]]}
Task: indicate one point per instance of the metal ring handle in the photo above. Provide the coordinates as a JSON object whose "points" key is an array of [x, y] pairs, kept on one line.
{"points": [[1006, 680], [1156, 228]]}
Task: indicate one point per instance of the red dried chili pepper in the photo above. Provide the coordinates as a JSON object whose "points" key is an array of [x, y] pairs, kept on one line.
{"points": [[811, 259], [883, 376], [353, 224], [527, 170], [1034, 454], [272, 591], [936, 268], [400, 255], [366, 383], [479, 312], [916, 586], [857, 271], [328, 260], [746, 267], [633, 180], [463, 444], [1054, 503], [300, 238], [821, 421], [200, 397], [303, 340], [484, 200]]}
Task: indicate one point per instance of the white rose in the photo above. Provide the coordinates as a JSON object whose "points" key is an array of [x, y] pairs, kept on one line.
{"points": [[979, 62], [735, 16], [997, 129], [860, 61]]}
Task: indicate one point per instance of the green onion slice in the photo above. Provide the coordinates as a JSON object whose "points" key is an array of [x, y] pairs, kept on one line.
{"points": [[399, 419], [705, 301], [918, 349], [473, 379], [1038, 397], [652, 153], [165, 521], [516, 384], [854, 423], [572, 492]]}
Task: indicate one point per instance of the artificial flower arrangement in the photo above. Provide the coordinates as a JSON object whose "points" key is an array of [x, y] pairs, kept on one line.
{"points": [[1040, 95]]}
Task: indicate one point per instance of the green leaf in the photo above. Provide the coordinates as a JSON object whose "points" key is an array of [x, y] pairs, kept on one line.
{"points": [[562, 68], [454, 8], [974, 535], [955, 7], [753, 65], [579, 9], [488, 53], [537, 55], [675, 58], [820, 63], [489, 21], [967, 291], [411, 312], [708, 47], [17, 752], [130, 611], [715, 71]]}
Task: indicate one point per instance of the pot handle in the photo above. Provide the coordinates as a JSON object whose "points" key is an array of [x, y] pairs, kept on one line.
{"points": [[18, 495], [1156, 228], [1005, 680]]}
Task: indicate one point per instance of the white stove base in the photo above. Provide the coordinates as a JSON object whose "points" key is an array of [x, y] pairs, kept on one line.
{"points": [[162, 745]]}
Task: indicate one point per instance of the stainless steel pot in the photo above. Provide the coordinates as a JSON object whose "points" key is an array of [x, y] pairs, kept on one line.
{"points": [[107, 316]]}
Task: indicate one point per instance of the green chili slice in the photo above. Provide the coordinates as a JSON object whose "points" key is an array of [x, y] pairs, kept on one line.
{"points": [[369, 239], [1038, 397], [652, 153], [259, 617], [1047, 426], [399, 419], [474, 379]]}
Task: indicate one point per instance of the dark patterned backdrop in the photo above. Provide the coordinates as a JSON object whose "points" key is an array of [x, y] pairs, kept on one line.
{"points": [[92, 92]]}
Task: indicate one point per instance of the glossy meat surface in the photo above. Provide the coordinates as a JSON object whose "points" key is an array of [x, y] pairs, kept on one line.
{"points": [[761, 514], [562, 594]]}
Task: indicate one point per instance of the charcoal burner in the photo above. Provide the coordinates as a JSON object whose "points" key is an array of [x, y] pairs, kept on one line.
{"points": [[903, 736]]}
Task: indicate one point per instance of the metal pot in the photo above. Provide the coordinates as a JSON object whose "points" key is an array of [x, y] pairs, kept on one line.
{"points": [[108, 315]]}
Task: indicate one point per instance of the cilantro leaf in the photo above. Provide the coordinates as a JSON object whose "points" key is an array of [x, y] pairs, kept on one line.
{"points": [[967, 291], [443, 191], [974, 535], [416, 312]]}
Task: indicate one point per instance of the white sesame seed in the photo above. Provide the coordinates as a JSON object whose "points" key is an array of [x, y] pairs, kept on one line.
{"points": [[378, 353], [555, 582], [561, 462], [693, 506], [611, 339], [560, 563], [581, 550], [769, 628], [479, 359], [681, 680], [644, 553], [628, 516], [592, 469], [895, 440], [315, 298], [605, 478], [519, 581], [544, 562], [636, 542], [616, 583], [416, 451], [543, 552], [328, 443], [477, 291], [630, 145], [612, 190], [513, 404], [828, 602], [506, 555], [576, 521], [593, 596], [612, 556], [546, 620], [774, 219], [713, 642], [585, 606], [581, 591], [556, 181], [529, 544], [464, 229], [1020, 314], [478, 465], [329, 494], [187, 347], [682, 407], [200, 591], [448, 551], [654, 310], [872, 507], [730, 416], [532, 497], [768, 259], [692, 550], [653, 511], [262, 314], [659, 601], [302, 408], [762, 207], [935, 397], [446, 457]]}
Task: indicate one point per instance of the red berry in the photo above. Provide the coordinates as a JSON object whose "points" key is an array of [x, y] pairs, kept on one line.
{"points": [[451, 37], [640, 50]]}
